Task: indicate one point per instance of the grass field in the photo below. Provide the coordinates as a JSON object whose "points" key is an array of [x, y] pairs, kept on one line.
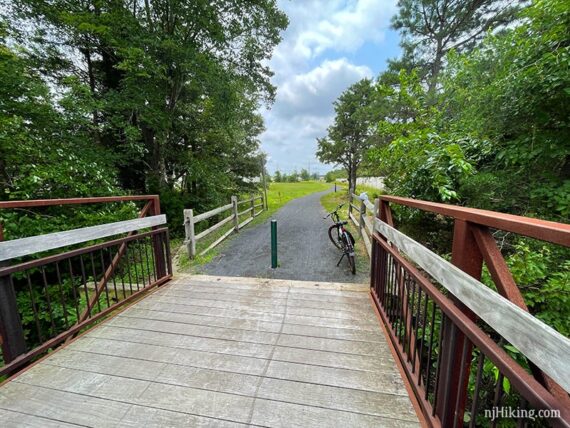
{"points": [[278, 195]]}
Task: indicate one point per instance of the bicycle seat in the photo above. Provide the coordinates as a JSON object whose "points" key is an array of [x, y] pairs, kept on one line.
{"points": [[343, 222]]}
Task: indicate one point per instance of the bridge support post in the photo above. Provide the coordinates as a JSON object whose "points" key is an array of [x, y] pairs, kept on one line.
{"points": [[189, 232], [456, 352], [235, 211], [11, 332]]}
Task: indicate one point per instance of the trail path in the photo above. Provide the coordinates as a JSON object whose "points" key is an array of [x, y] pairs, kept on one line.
{"points": [[305, 252]]}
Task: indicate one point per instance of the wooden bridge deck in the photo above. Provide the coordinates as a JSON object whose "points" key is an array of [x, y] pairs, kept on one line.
{"points": [[208, 351]]}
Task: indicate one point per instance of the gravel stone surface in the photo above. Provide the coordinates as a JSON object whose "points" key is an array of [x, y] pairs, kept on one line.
{"points": [[304, 249]]}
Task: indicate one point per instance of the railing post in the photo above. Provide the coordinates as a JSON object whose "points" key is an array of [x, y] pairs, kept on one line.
{"points": [[11, 331], [189, 232], [235, 211], [452, 392], [349, 201], [157, 244], [252, 205]]}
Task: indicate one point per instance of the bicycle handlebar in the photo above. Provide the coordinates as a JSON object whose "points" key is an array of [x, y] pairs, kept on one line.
{"points": [[333, 212]]}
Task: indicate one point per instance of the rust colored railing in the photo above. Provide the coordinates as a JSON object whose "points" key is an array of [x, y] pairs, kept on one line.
{"points": [[48, 300], [456, 363]]}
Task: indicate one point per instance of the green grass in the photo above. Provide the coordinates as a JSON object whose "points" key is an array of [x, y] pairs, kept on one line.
{"points": [[278, 195]]}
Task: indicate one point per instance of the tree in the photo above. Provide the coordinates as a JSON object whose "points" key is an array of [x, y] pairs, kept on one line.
{"points": [[293, 177], [169, 90], [305, 176], [314, 176], [352, 134], [431, 28], [277, 177]]}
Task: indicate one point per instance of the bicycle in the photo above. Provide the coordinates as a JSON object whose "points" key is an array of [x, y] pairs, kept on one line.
{"points": [[342, 238]]}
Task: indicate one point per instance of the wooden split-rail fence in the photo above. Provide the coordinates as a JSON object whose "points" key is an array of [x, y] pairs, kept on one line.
{"points": [[191, 219], [366, 212]]}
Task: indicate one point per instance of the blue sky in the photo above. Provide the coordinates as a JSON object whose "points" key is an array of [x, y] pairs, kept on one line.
{"points": [[329, 45]]}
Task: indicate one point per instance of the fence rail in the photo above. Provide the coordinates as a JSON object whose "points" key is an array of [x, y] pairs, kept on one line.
{"points": [[451, 333], [191, 219], [366, 212], [46, 300]]}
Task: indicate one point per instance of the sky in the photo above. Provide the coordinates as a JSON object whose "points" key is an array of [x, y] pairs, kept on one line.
{"points": [[329, 45]]}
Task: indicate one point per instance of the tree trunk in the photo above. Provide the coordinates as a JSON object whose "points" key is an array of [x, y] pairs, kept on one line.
{"points": [[352, 178]]}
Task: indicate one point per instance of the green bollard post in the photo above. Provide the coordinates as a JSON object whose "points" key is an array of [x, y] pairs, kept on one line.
{"points": [[273, 244]]}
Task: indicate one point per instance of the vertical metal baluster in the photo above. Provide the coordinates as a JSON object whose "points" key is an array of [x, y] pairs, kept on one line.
{"points": [[439, 355], [61, 294], [84, 278], [498, 395], [95, 282], [34, 307], [127, 253], [466, 347], [387, 288], [135, 264], [116, 299], [105, 284], [387, 285], [440, 338], [400, 306], [417, 324], [75, 298], [475, 401], [522, 422], [424, 323], [391, 302], [48, 300], [430, 350], [141, 261], [149, 267], [410, 315]]}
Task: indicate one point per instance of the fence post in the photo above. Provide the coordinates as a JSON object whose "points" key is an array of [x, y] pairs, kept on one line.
{"points": [[349, 201], [235, 211], [252, 205], [361, 218], [189, 232]]}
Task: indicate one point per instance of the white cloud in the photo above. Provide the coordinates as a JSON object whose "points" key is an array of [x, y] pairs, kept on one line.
{"points": [[313, 92], [347, 28], [309, 74]]}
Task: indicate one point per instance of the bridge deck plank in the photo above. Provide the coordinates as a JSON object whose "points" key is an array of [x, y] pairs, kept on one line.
{"points": [[221, 353]]}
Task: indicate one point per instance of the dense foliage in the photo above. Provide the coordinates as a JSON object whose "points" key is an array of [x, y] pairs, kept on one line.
{"points": [[487, 127], [116, 97]]}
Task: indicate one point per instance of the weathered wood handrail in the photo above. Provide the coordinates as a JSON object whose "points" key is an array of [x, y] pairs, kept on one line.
{"points": [[191, 219], [50, 241], [85, 279], [395, 283]]}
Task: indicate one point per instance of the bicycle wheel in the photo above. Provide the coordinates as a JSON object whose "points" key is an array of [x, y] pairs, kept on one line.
{"points": [[334, 236], [349, 248]]}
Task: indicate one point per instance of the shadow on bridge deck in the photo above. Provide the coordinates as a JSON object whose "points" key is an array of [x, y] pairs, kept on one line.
{"points": [[219, 351]]}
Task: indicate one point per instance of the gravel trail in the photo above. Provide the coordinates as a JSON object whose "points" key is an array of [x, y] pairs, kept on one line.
{"points": [[304, 249]]}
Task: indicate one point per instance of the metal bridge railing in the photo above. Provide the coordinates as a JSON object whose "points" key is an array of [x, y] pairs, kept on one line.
{"points": [[45, 301], [468, 351]]}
